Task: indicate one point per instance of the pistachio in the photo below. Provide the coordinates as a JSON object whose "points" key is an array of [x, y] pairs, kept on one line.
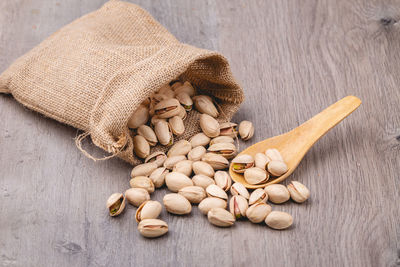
{"points": [[246, 130], [170, 162], [182, 113], [277, 168], [261, 160], [259, 195], [228, 129], [196, 153], [176, 125], [211, 202], [255, 175], [215, 191], [148, 210], [164, 88], [227, 150], [181, 147], [154, 119], [177, 204], [238, 206], [115, 204], [202, 180], [158, 176], [143, 169], [167, 108], [273, 154], [220, 217], [139, 117], [201, 167], [152, 228], [279, 220], [277, 193], [298, 191], [205, 105], [242, 162], [222, 139], [157, 98], [185, 88], [148, 134], [163, 133], [184, 166], [141, 147], [209, 125], [239, 189], [258, 212], [157, 157], [218, 162], [142, 182], [223, 180], [136, 196], [175, 85], [176, 181], [199, 139], [195, 194], [167, 91], [185, 100]]}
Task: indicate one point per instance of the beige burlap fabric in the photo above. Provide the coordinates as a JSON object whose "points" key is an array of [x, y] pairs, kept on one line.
{"points": [[93, 73]]}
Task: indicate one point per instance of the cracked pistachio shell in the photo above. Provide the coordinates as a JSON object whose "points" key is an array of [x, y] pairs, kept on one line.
{"points": [[185, 100], [239, 189], [277, 168], [228, 129], [167, 108], [258, 212], [157, 98], [273, 154], [222, 139], [277, 193], [215, 191], [139, 117], [157, 157], [242, 162], [184, 166], [209, 125], [279, 220], [255, 175], [175, 85], [195, 194], [148, 210], [115, 204], [152, 228], [238, 206], [156, 119], [141, 146], [257, 196], [176, 181], [199, 139], [148, 134], [223, 180], [220, 217], [181, 147], [170, 162], [142, 182], [205, 105], [197, 153], [143, 169], [177, 204], [246, 130], [158, 176], [185, 88], [261, 160], [218, 162], [227, 150], [298, 192], [136, 196], [211, 202], [176, 125], [182, 113], [201, 167], [202, 180], [163, 133]]}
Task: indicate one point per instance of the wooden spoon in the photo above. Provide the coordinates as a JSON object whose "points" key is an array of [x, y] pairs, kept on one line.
{"points": [[294, 145]]}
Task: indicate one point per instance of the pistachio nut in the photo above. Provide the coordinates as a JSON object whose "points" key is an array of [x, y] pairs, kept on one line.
{"points": [[222, 139], [136, 196], [199, 139], [185, 100], [167, 108], [223, 180], [215, 191], [181, 147], [143, 169], [261, 160], [257, 212], [176, 125], [197, 153], [202, 180], [257, 196], [277, 193], [185, 88], [157, 157], [239, 189], [220, 217], [246, 130], [163, 133], [209, 125], [177, 204], [141, 147], [139, 117], [157, 98], [176, 181], [175, 85], [201, 167], [154, 119], [227, 150], [228, 129], [273, 154], [167, 91], [211, 202], [279, 220], [255, 175], [242, 162], [158, 176], [184, 166], [142, 182], [238, 206], [152, 228], [298, 191], [205, 105], [182, 113], [115, 204], [277, 168], [195, 194], [170, 162], [148, 134], [218, 162], [148, 210]]}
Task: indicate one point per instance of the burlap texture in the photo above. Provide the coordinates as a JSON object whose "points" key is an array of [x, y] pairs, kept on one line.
{"points": [[93, 73]]}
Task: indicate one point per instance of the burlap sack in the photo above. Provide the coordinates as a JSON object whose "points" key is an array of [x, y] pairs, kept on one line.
{"points": [[93, 73]]}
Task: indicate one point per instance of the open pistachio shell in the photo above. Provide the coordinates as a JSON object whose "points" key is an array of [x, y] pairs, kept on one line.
{"points": [[238, 206], [209, 125], [218, 162], [257, 212], [182, 113], [185, 88], [148, 134], [222, 139], [246, 130], [227, 150], [141, 146], [298, 192], [148, 210], [139, 117], [142, 182], [216, 191], [257, 196], [163, 133], [176, 125], [115, 204], [158, 176], [242, 162], [152, 228], [154, 119], [240, 189], [185, 100], [167, 108], [181, 147], [228, 129], [220, 217], [223, 180], [273, 154], [205, 105], [255, 175], [175, 85], [157, 157], [199, 139]]}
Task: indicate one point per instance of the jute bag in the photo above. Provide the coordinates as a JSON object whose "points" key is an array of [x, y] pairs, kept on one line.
{"points": [[93, 73]]}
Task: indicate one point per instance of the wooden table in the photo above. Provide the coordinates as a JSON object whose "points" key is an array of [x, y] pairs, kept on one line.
{"points": [[293, 59]]}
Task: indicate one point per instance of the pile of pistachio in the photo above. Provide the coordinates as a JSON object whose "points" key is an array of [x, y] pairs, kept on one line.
{"points": [[194, 170]]}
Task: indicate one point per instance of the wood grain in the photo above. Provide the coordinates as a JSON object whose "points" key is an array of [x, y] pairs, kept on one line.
{"points": [[293, 58]]}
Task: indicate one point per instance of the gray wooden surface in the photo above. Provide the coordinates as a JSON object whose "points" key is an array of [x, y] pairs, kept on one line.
{"points": [[293, 58]]}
